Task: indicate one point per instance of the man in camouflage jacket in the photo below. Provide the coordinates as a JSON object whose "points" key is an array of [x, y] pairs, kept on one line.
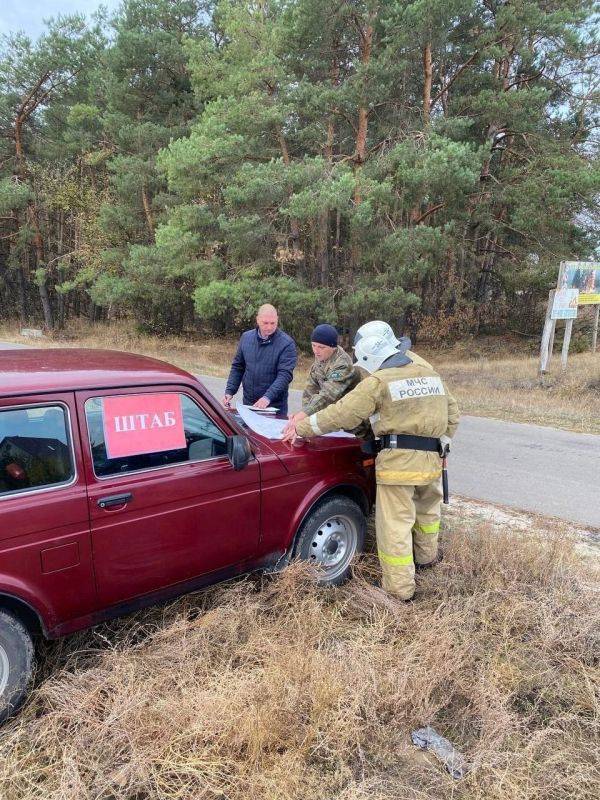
{"points": [[331, 376]]}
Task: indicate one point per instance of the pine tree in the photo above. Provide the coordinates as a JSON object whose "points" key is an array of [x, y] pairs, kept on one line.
{"points": [[423, 161], [148, 101], [35, 78]]}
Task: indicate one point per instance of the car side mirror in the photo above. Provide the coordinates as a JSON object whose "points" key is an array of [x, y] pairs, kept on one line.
{"points": [[238, 451]]}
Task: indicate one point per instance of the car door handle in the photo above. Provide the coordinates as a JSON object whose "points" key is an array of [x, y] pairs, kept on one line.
{"points": [[115, 500]]}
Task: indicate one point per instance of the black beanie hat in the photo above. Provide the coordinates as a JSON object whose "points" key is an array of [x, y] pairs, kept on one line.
{"points": [[325, 334]]}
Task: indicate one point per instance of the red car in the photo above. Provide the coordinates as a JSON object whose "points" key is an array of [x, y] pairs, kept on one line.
{"points": [[123, 482]]}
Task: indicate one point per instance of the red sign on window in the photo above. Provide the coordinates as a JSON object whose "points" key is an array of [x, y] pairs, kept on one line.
{"points": [[142, 423]]}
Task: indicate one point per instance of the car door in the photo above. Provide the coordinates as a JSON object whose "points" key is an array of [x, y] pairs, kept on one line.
{"points": [[162, 510], [45, 552]]}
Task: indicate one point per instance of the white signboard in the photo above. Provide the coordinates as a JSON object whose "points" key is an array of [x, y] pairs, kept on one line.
{"points": [[565, 304]]}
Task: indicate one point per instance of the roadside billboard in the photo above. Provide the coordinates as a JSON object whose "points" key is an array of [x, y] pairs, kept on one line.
{"points": [[581, 275], [564, 304]]}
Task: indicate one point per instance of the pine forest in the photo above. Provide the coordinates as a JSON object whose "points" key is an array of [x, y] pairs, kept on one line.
{"points": [[177, 163]]}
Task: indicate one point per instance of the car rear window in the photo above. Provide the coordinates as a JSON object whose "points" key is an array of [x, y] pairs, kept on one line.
{"points": [[35, 449], [201, 439]]}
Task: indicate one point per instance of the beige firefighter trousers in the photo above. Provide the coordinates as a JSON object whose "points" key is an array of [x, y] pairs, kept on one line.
{"points": [[407, 523]]}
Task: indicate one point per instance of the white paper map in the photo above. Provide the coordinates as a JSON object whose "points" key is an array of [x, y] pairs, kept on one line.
{"points": [[272, 428]]}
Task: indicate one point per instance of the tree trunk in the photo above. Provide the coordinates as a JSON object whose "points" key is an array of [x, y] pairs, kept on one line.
{"points": [[428, 75], [46, 307], [322, 256], [443, 95], [323, 251], [488, 260], [338, 238], [148, 212], [22, 280], [38, 243], [19, 141], [60, 309], [23, 267], [323, 221], [297, 254], [360, 149]]}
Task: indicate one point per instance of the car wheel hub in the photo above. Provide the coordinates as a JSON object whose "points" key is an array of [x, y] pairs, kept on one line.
{"points": [[4, 670], [334, 543]]}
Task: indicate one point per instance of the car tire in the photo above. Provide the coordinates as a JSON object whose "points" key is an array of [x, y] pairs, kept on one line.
{"points": [[16, 663], [330, 537]]}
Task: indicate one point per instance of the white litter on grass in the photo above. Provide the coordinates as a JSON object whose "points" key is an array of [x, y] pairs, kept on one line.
{"points": [[429, 739]]}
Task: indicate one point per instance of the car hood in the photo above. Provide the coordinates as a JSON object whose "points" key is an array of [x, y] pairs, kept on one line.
{"points": [[310, 455], [318, 443], [306, 454]]}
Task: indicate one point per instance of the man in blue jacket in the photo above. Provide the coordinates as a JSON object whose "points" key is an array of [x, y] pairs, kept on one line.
{"points": [[264, 364]]}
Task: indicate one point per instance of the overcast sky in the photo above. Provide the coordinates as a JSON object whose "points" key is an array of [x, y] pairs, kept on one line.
{"points": [[29, 15]]}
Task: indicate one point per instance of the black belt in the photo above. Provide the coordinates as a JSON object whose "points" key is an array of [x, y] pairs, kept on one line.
{"points": [[403, 441]]}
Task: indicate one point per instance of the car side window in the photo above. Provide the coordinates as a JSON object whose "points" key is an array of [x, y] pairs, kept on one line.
{"points": [[200, 438], [35, 448]]}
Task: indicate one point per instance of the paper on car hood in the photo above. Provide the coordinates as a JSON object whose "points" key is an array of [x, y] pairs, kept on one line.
{"points": [[271, 427]]}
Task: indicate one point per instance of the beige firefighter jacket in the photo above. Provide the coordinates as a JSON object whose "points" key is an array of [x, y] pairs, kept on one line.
{"points": [[418, 360], [413, 400], [328, 381]]}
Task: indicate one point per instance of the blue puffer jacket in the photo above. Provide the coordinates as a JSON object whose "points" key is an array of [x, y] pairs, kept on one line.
{"points": [[264, 367]]}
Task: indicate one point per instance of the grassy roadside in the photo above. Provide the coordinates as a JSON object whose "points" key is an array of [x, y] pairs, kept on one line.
{"points": [[490, 377], [270, 689], [510, 388]]}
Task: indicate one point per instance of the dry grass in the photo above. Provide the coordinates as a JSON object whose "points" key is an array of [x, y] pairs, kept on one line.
{"points": [[269, 689], [484, 379], [489, 383]]}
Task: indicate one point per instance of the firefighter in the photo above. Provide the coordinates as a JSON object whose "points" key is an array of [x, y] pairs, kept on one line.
{"points": [[377, 327], [414, 416]]}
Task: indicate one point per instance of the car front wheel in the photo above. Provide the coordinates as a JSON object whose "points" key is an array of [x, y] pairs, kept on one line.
{"points": [[330, 537], [16, 663]]}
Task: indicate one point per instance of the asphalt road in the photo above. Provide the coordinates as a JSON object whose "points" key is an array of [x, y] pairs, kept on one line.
{"points": [[527, 467]]}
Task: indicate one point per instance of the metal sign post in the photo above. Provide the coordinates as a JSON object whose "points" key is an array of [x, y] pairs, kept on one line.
{"points": [[595, 329], [566, 343], [547, 336]]}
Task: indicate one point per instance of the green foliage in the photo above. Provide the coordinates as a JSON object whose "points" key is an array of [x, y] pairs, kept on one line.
{"points": [[13, 196], [228, 305], [184, 161]]}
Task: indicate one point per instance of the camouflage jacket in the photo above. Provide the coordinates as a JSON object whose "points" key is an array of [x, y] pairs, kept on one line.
{"points": [[328, 381]]}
